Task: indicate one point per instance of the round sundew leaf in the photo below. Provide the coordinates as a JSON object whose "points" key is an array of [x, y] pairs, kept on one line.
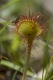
{"points": [[26, 27], [29, 28]]}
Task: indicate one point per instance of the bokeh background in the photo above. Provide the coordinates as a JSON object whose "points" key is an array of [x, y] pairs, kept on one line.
{"points": [[12, 48]]}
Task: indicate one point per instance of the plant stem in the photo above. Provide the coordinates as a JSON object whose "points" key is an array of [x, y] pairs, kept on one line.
{"points": [[14, 75], [27, 63], [43, 74]]}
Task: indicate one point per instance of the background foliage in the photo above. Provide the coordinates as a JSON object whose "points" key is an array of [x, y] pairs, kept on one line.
{"points": [[12, 51]]}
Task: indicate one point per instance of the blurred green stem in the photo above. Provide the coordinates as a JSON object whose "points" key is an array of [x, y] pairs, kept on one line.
{"points": [[27, 63], [51, 78], [43, 74], [14, 75]]}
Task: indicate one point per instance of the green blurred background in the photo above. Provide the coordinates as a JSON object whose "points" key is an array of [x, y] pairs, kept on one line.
{"points": [[10, 44]]}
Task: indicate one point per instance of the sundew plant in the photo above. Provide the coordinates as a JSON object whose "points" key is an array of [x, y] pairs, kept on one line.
{"points": [[32, 27], [29, 28]]}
